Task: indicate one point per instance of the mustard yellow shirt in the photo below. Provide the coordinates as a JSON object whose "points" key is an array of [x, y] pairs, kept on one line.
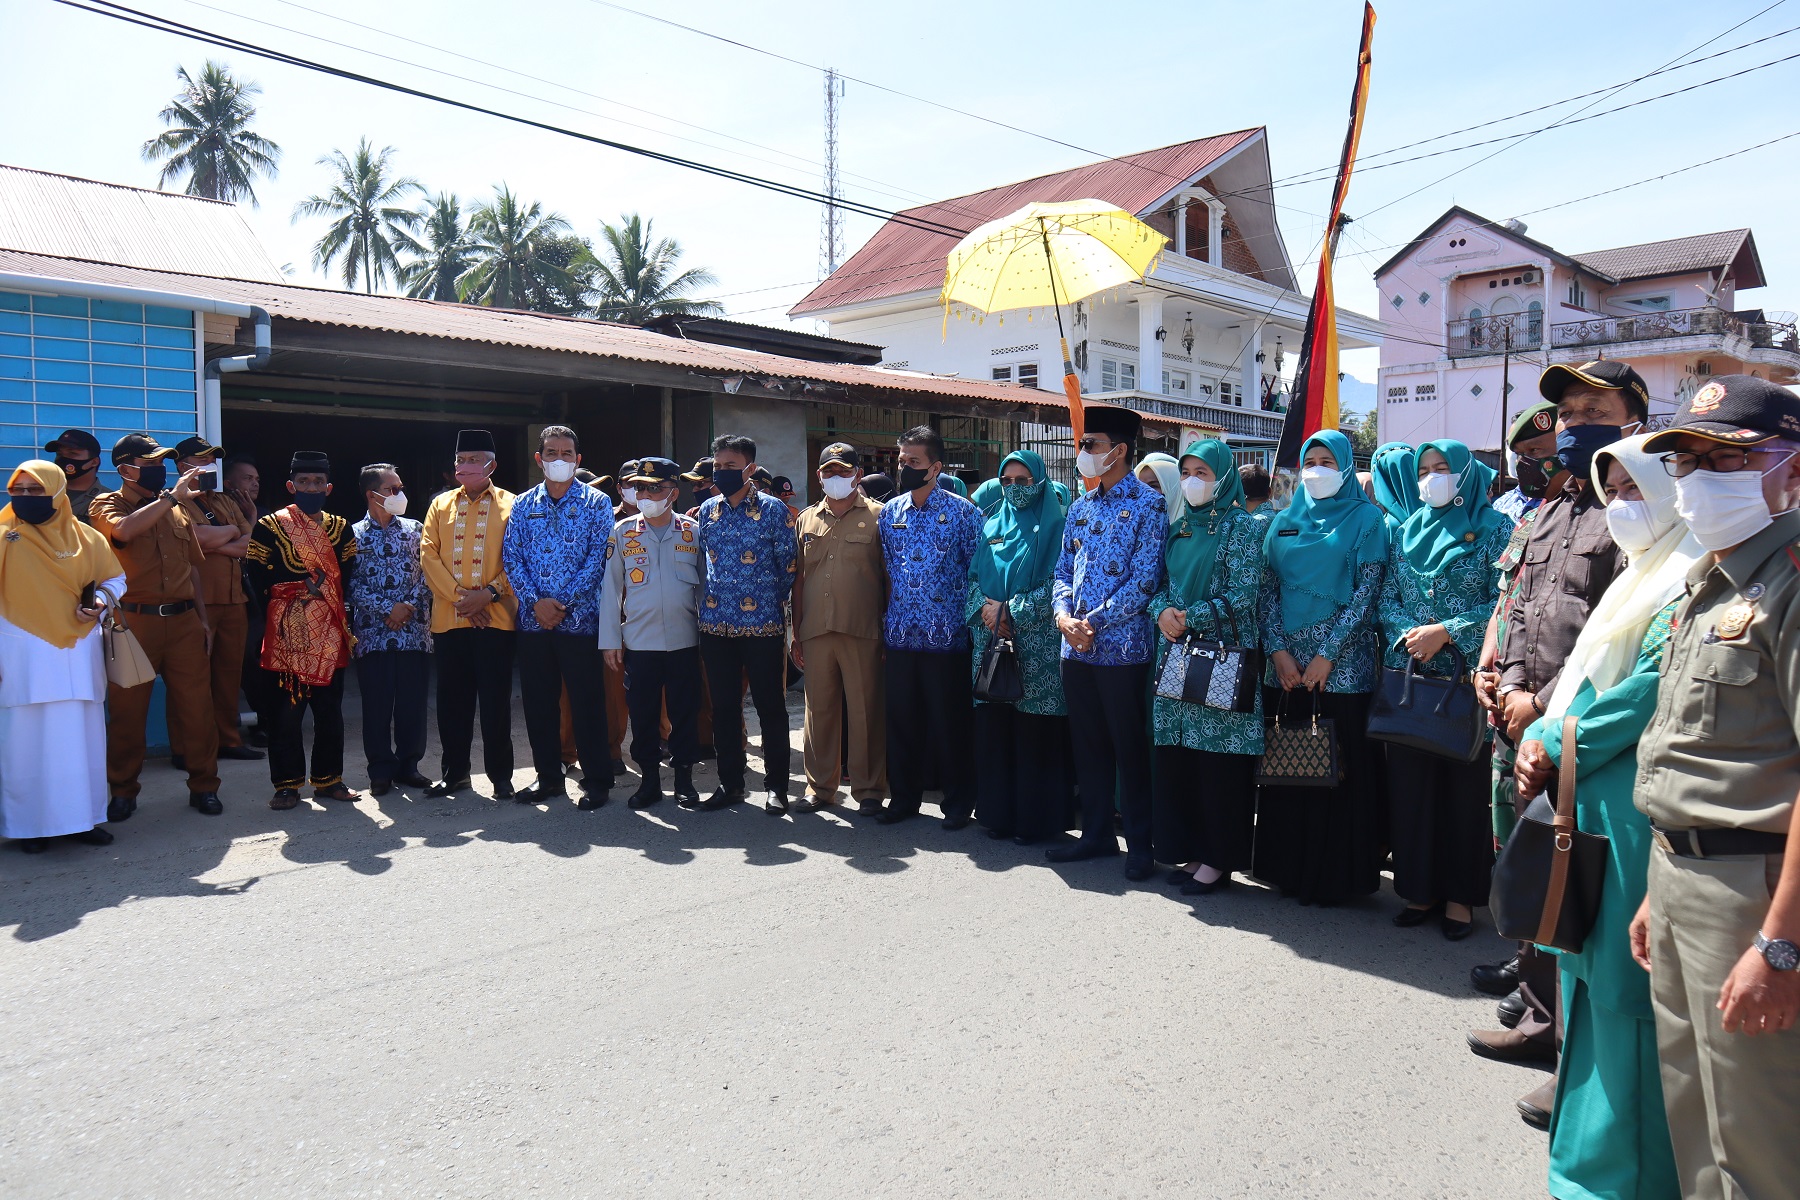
{"points": [[460, 547]]}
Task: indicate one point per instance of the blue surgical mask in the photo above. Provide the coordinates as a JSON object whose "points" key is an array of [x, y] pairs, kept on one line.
{"points": [[1577, 444], [309, 503], [729, 483]]}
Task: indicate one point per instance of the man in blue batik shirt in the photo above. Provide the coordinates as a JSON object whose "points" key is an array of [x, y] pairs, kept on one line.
{"points": [[390, 614], [929, 535], [748, 544], [554, 552], [1110, 566]]}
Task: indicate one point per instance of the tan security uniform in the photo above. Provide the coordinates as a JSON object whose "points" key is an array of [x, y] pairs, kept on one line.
{"points": [[227, 611], [159, 608], [842, 591], [1723, 753]]}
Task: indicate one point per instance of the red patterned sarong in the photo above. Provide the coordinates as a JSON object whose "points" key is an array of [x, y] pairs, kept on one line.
{"points": [[307, 636]]}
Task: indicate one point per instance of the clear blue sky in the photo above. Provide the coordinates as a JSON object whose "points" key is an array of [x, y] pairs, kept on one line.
{"points": [[82, 93]]}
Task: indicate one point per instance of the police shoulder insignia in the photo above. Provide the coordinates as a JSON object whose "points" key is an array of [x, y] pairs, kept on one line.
{"points": [[637, 576]]}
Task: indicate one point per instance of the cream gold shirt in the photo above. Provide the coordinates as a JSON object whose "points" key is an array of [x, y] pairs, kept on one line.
{"points": [[461, 548]]}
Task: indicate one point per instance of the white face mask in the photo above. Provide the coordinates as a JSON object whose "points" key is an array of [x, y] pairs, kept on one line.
{"points": [[654, 508], [629, 495], [1437, 489], [1321, 483], [1629, 523], [1090, 465], [395, 504], [1196, 491], [559, 471], [1722, 510], [837, 487]]}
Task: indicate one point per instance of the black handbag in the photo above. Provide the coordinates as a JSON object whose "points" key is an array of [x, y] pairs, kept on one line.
{"points": [[1217, 674], [1548, 877], [1425, 713], [1300, 755], [1000, 680]]}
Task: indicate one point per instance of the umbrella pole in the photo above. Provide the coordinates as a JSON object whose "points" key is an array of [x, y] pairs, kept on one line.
{"points": [[1071, 385]]}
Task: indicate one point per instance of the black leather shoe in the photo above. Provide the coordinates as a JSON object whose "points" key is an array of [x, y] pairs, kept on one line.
{"points": [[686, 794], [337, 791], [1026, 839], [1496, 979], [649, 792], [1456, 931], [1080, 850], [775, 804], [414, 779], [504, 790], [120, 808], [592, 798], [380, 787], [893, 816], [999, 835], [720, 799], [449, 787], [34, 845], [244, 753], [254, 736], [94, 837], [1410, 917], [956, 821], [1511, 1010], [536, 793], [1179, 877], [1193, 887], [206, 802], [1139, 869]]}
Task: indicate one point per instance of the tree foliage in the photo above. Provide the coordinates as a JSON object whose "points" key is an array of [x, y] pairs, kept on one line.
{"points": [[208, 138], [441, 253], [523, 257], [636, 277], [371, 220]]}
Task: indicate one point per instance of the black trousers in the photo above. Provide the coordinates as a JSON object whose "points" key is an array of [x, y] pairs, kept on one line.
{"points": [[287, 749], [1322, 844], [549, 662], [1021, 772], [475, 666], [764, 661], [1204, 808], [393, 711], [651, 677], [260, 688], [1109, 727], [1440, 827], [930, 725]]}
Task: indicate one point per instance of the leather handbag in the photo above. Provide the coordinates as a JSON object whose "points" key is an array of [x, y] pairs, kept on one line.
{"points": [[127, 665], [1425, 713], [1548, 877], [1000, 680], [1214, 673], [1300, 755]]}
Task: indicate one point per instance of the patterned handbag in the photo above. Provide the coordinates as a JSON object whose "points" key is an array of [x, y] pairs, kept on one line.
{"points": [[1216, 674], [1299, 755]]}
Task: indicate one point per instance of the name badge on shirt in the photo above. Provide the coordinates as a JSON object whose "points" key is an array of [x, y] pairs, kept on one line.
{"points": [[1287, 533], [536, 516]]}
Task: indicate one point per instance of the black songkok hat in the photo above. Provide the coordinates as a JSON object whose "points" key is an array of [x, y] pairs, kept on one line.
{"points": [[878, 487], [471, 441], [309, 462], [1118, 424]]}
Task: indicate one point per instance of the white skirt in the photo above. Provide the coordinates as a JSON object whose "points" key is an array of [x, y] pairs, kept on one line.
{"points": [[52, 768]]}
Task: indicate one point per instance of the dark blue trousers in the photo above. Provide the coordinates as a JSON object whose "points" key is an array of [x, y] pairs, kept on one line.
{"points": [[393, 711]]}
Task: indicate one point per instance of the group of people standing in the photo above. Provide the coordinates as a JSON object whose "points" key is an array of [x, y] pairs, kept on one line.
{"points": [[1635, 591]]}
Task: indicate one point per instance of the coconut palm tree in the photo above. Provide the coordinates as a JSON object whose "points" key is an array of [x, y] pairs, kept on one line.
{"points": [[209, 138], [636, 278], [523, 258], [441, 253], [366, 200]]}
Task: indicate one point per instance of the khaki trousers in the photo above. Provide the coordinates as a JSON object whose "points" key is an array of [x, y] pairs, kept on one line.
{"points": [[1732, 1100], [231, 625], [176, 647], [843, 674]]}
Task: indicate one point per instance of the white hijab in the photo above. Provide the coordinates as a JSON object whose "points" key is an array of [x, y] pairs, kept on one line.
{"points": [[1614, 633], [1168, 473]]}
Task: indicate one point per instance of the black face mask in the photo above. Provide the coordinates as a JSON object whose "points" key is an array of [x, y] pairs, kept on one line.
{"points": [[1532, 480], [913, 478], [310, 503], [152, 477], [34, 509], [72, 467], [728, 483], [1576, 446]]}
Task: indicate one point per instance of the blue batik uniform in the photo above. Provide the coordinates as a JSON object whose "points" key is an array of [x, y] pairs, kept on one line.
{"points": [[391, 664], [1111, 565]]}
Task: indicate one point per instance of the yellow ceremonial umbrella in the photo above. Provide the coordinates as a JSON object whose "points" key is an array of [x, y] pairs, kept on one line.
{"points": [[1050, 254]]}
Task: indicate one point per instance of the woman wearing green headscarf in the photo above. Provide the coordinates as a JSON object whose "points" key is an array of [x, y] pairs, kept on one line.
{"points": [[1395, 467], [1440, 589], [1203, 806], [1022, 782], [1325, 554]]}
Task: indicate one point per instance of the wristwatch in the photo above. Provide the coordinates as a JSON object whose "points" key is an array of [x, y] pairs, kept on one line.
{"points": [[1779, 953], [167, 494]]}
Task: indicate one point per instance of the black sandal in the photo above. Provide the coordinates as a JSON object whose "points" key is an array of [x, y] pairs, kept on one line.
{"points": [[286, 798]]}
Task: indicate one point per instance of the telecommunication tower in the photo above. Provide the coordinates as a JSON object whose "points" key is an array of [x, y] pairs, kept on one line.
{"points": [[831, 236]]}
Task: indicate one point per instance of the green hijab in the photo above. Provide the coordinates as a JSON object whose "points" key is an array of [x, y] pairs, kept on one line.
{"points": [[1395, 467], [951, 483], [1193, 543], [1020, 546], [1434, 538], [1318, 547], [986, 496]]}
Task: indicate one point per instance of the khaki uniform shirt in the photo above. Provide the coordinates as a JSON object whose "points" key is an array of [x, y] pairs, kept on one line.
{"points": [[461, 548], [159, 565], [221, 576], [1723, 748], [843, 581], [80, 501], [1568, 561]]}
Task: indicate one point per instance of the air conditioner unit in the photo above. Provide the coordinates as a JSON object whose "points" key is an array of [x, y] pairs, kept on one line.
{"points": [[1703, 367], [1531, 277]]}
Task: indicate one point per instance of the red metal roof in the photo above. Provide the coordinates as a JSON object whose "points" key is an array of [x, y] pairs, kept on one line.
{"points": [[902, 258]]}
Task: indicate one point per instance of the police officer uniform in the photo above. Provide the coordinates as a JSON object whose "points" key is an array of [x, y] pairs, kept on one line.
{"points": [[649, 608], [1719, 768]]}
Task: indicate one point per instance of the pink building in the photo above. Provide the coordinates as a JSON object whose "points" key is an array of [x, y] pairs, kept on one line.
{"points": [[1473, 307]]}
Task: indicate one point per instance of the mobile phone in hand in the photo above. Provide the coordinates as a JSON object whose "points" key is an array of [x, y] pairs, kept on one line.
{"points": [[89, 595], [207, 480]]}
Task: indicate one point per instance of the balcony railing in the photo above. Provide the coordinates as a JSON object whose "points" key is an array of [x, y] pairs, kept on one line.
{"points": [[1242, 422], [1676, 323], [1496, 334]]}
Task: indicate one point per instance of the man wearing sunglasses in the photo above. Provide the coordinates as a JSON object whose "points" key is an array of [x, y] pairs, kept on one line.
{"points": [[1718, 772]]}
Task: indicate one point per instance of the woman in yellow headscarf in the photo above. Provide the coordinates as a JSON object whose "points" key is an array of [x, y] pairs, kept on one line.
{"points": [[52, 677]]}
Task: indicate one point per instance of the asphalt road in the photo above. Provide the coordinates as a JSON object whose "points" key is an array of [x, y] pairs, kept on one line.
{"points": [[417, 997]]}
